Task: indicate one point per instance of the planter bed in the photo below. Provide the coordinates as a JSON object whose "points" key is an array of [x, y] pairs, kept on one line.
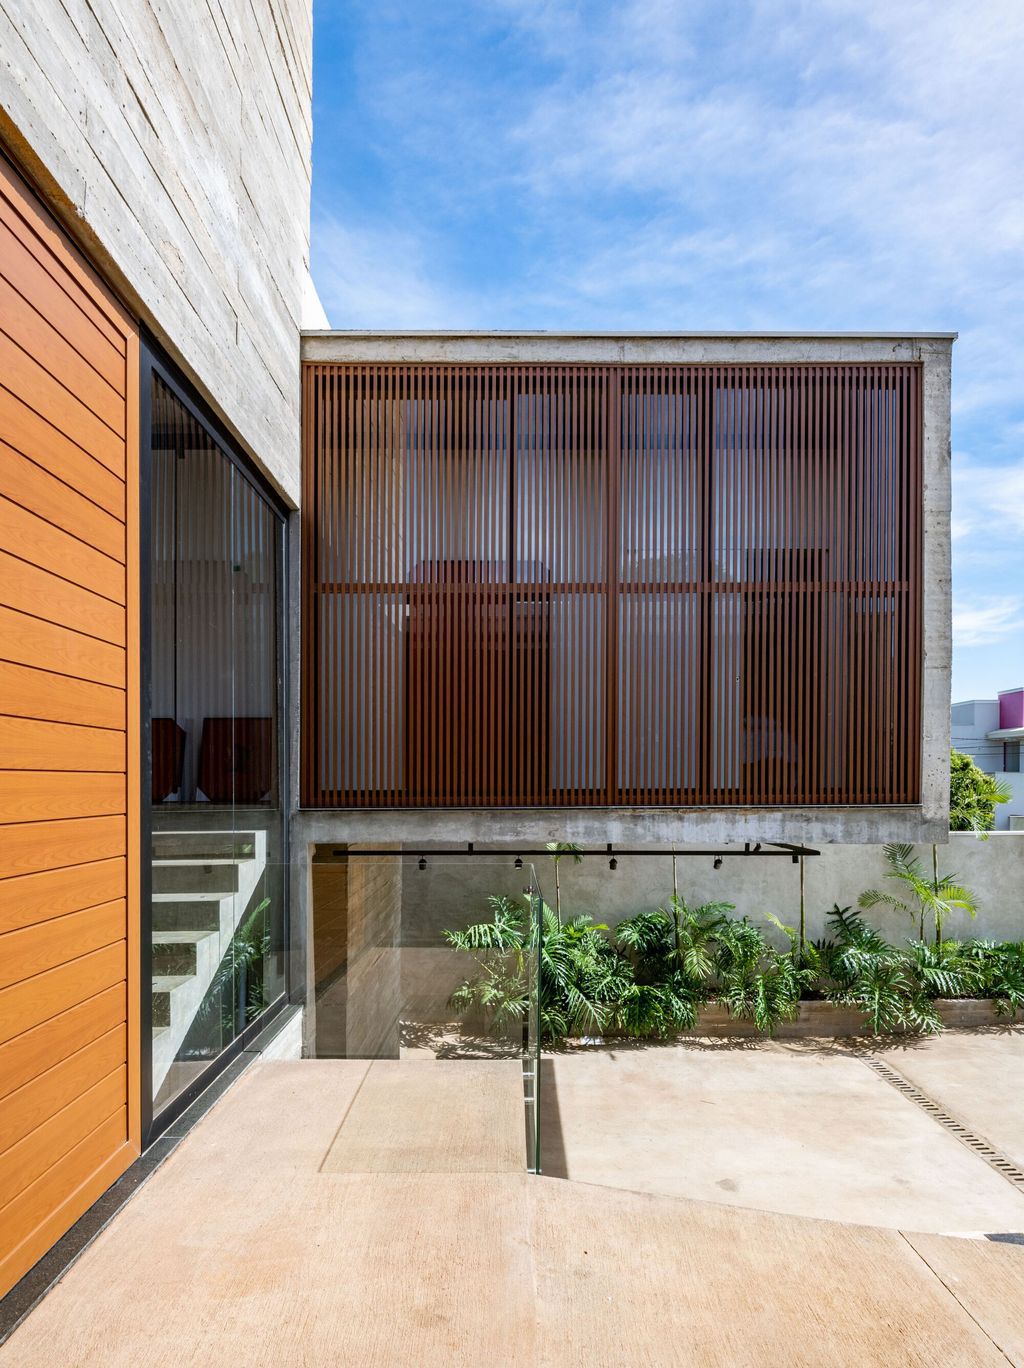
{"points": [[824, 1019]]}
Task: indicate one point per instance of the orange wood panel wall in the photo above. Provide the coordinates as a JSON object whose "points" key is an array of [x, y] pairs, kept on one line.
{"points": [[69, 733]]}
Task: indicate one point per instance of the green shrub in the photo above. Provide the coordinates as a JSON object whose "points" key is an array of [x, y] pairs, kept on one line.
{"points": [[754, 979], [973, 795], [583, 978], [653, 976], [856, 967], [672, 952]]}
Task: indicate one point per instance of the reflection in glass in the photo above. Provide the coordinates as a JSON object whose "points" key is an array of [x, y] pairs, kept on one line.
{"points": [[217, 877], [390, 978]]}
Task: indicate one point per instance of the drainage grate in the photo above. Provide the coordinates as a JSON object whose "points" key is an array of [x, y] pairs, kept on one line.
{"points": [[975, 1143]]}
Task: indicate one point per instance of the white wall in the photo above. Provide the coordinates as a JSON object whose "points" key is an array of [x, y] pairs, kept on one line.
{"points": [[971, 723], [446, 895], [174, 141], [1015, 807]]}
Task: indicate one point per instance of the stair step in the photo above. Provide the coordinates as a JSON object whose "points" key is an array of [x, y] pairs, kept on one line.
{"points": [[175, 952], [197, 912], [163, 986], [204, 845], [195, 876]]}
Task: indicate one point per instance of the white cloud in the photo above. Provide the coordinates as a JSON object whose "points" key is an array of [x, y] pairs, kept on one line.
{"points": [[374, 276], [836, 164], [988, 620], [988, 503]]}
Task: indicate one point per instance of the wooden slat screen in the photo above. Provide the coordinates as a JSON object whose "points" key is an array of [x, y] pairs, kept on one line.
{"points": [[69, 733], [611, 585]]}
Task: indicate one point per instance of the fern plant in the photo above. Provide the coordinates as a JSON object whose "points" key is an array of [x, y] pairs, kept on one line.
{"points": [[1000, 969], [672, 951], [582, 978], [756, 980], [860, 969], [674, 939]]}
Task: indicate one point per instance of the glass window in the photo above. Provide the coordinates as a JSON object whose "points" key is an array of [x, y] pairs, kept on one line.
{"points": [[218, 887]]}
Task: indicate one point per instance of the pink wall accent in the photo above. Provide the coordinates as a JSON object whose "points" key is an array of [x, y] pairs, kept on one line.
{"points": [[1011, 708]]}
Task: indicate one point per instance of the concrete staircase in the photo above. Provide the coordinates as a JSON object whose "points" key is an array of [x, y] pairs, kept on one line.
{"points": [[203, 884]]}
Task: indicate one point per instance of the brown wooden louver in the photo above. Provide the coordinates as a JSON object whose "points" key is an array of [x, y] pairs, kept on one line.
{"points": [[611, 585]]}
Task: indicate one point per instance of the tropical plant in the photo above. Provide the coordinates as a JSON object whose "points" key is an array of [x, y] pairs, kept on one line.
{"points": [[236, 989], [559, 849], [756, 980], [582, 977], [500, 988], [1000, 968], [973, 796], [929, 899], [672, 952], [858, 968], [945, 971], [676, 938], [661, 967]]}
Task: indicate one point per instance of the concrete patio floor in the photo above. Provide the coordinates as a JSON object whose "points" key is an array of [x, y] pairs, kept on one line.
{"points": [[274, 1236], [797, 1127]]}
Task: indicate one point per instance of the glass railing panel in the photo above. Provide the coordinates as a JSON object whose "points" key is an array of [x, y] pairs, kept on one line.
{"points": [[532, 1033], [399, 974]]}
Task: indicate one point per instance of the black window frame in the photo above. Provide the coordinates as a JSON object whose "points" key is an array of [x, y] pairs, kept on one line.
{"points": [[153, 362]]}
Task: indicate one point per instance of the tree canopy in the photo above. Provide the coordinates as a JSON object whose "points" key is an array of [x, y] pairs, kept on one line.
{"points": [[973, 795]]}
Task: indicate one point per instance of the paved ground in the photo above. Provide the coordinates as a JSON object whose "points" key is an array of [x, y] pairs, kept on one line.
{"points": [[800, 1127], [247, 1248], [977, 1075]]}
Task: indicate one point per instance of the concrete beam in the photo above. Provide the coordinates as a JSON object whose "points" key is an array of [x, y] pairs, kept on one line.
{"points": [[597, 348], [656, 827]]}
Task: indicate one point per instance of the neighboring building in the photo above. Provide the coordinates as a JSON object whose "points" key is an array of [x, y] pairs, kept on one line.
{"points": [[990, 731], [594, 587]]}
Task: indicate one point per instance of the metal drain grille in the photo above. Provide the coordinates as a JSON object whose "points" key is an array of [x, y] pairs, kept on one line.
{"points": [[975, 1143]]}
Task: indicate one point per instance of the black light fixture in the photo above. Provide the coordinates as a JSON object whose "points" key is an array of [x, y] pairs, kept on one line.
{"points": [[718, 862], [423, 862], [613, 862], [519, 862]]}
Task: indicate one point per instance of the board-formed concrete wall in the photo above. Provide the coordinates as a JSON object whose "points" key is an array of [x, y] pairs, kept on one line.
{"points": [[174, 141], [447, 895]]}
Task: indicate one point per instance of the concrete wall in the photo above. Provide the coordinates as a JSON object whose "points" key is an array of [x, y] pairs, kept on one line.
{"points": [[174, 141], [329, 945], [358, 1013], [447, 896]]}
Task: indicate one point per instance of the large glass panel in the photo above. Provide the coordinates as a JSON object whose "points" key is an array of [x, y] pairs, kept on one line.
{"points": [[399, 975], [218, 888]]}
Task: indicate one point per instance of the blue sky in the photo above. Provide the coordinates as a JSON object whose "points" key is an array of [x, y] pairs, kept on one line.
{"points": [[689, 164]]}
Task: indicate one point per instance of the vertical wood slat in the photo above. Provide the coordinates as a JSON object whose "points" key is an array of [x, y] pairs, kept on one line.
{"points": [[603, 585]]}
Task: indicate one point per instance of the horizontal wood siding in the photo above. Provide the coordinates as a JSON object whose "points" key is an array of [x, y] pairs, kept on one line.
{"points": [[69, 758]]}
